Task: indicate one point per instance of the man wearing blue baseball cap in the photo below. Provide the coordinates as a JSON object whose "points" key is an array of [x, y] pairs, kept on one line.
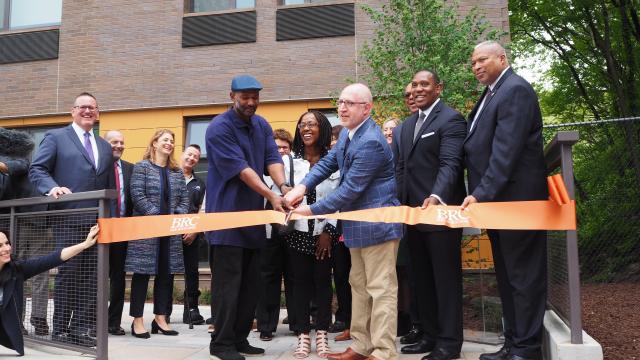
{"points": [[240, 149]]}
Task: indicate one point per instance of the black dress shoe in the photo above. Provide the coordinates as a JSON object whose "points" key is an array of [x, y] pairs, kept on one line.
{"points": [[144, 335], [518, 357], [40, 325], [196, 318], [155, 328], [442, 354], [412, 337], [498, 355], [116, 330], [82, 340], [420, 347], [337, 326]]}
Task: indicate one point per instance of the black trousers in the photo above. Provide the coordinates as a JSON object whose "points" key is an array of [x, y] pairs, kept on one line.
{"points": [[274, 265], [162, 286], [76, 283], [117, 257], [520, 259], [437, 265], [311, 276], [235, 275], [192, 277], [341, 261]]}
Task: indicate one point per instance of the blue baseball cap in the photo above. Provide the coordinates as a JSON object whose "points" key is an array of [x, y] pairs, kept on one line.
{"points": [[245, 83]]}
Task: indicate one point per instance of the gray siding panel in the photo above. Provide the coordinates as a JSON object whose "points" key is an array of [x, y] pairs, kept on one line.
{"points": [[29, 46], [238, 27], [315, 21]]}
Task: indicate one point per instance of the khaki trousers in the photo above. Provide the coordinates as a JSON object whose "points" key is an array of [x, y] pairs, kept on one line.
{"points": [[374, 289]]}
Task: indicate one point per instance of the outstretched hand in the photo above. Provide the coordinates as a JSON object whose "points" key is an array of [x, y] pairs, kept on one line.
{"points": [[92, 237]]}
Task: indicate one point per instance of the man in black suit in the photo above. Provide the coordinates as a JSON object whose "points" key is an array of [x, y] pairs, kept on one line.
{"points": [[118, 251], [73, 159], [505, 162], [429, 166]]}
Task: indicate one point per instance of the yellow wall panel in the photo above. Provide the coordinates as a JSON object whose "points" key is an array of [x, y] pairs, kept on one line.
{"points": [[138, 126]]}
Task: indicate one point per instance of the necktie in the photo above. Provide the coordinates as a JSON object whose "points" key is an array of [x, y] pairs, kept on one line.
{"points": [[116, 167], [419, 123], [346, 145], [88, 148]]}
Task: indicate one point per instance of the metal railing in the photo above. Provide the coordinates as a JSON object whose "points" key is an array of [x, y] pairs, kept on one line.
{"points": [[33, 229], [562, 247]]}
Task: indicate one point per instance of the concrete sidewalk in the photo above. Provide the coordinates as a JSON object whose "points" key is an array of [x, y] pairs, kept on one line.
{"points": [[194, 344]]}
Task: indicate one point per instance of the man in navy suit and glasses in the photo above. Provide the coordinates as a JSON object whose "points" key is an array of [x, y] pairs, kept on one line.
{"points": [[73, 159], [367, 181], [505, 162]]}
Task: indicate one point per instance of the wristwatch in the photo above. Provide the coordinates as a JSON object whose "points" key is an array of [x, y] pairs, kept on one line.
{"points": [[283, 184]]}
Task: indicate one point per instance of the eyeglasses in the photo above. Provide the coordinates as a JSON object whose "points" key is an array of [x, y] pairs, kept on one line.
{"points": [[310, 125], [86, 108], [407, 95], [349, 103]]}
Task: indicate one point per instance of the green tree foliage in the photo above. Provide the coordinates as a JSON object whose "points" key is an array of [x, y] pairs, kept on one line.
{"points": [[593, 51], [422, 34]]}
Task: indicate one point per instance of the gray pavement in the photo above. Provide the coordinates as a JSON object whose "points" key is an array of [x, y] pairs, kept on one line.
{"points": [[194, 344]]}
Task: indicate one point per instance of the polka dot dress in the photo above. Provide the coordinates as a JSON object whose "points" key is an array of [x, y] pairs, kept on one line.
{"points": [[305, 242]]}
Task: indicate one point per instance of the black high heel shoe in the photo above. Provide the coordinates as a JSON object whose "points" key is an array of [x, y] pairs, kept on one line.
{"points": [[155, 328], [144, 335]]}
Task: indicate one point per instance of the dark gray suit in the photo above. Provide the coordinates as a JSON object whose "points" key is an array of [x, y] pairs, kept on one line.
{"points": [[505, 162], [62, 160], [432, 164]]}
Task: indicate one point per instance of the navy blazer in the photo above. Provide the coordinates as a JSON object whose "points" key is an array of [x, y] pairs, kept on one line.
{"points": [[433, 163], [62, 160], [366, 181], [504, 151], [13, 292]]}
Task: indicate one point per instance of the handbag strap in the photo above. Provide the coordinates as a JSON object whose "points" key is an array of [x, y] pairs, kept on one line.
{"points": [[291, 182]]}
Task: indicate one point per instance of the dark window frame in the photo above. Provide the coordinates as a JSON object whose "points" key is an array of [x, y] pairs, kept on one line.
{"points": [[5, 23], [189, 6]]}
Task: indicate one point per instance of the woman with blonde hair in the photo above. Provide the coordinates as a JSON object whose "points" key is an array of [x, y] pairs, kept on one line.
{"points": [[157, 188]]}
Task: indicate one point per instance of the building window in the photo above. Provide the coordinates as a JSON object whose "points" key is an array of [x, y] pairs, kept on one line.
{"points": [[332, 116], [300, 2], [23, 14], [217, 5]]}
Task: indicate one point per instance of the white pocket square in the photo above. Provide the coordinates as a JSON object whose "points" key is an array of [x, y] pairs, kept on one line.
{"points": [[427, 135]]}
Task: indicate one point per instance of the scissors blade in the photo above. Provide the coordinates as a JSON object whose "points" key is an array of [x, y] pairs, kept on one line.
{"points": [[287, 217]]}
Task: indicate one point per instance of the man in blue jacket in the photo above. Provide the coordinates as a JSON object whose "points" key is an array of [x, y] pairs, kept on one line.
{"points": [[367, 181], [72, 159]]}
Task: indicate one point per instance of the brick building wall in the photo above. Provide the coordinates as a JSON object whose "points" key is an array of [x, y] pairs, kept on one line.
{"points": [[129, 54]]}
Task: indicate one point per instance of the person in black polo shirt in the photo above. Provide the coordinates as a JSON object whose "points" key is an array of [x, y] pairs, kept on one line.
{"points": [[190, 242]]}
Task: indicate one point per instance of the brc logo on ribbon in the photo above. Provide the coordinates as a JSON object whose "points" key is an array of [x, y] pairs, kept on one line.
{"points": [[452, 216], [184, 223]]}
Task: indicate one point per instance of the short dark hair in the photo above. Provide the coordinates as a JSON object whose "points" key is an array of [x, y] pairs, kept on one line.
{"points": [[195, 146], [324, 142], [433, 73], [84, 93], [335, 131], [284, 135]]}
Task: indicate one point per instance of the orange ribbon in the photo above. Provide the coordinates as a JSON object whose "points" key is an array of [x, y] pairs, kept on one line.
{"points": [[558, 213], [522, 215]]}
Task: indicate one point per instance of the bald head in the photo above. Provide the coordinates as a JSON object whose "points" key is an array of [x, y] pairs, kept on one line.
{"points": [[116, 139], [354, 105], [488, 61], [361, 91]]}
